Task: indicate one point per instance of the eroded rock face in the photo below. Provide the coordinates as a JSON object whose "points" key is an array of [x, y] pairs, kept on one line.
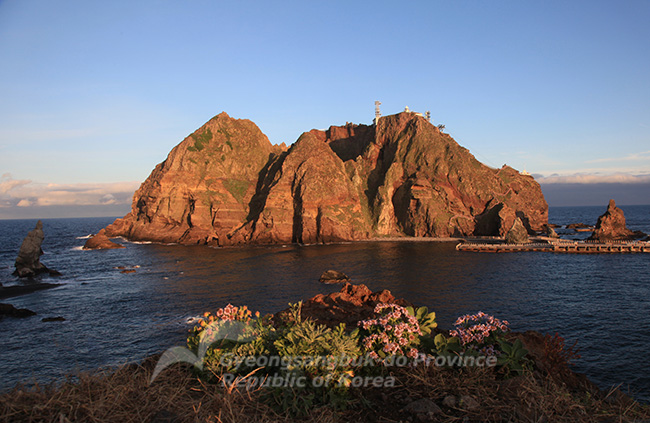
{"points": [[100, 242], [203, 190], [226, 184], [611, 226], [28, 262]]}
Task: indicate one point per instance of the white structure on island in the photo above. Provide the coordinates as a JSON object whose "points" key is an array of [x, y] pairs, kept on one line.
{"points": [[377, 111]]}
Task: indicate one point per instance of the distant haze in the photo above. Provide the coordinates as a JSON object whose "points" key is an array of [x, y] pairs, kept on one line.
{"points": [[574, 194]]}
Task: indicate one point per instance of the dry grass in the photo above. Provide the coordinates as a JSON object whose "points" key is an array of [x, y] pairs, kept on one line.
{"points": [[178, 395]]}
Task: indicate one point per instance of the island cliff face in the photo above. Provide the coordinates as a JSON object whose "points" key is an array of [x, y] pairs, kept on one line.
{"points": [[226, 184]]}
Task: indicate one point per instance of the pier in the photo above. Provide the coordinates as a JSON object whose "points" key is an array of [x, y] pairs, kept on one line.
{"points": [[558, 246]]}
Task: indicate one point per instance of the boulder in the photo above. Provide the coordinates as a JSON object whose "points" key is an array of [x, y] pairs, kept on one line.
{"points": [[332, 277], [53, 319], [11, 311], [550, 232], [100, 242], [578, 226], [28, 262], [611, 226], [351, 304], [517, 233]]}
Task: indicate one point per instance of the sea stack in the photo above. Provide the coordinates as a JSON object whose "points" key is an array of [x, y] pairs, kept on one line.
{"points": [[226, 184], [28, 263], [611, 226]]}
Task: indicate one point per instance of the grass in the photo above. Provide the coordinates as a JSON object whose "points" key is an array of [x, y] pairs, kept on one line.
{"points": [[237, 188], [178, 395], [201, 140]]}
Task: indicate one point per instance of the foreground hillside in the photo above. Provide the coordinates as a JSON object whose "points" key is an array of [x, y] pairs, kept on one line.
{"points": [[226, 184], [528, 380]]}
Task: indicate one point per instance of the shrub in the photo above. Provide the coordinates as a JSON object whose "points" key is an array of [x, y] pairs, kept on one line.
{"points": [[395, 331], [479, 332]]}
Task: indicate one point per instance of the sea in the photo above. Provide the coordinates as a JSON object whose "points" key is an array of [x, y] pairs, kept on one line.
{"points": [[600, 301]]}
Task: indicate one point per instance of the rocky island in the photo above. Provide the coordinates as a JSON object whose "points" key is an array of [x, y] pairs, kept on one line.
{"points": [[226, 184]]}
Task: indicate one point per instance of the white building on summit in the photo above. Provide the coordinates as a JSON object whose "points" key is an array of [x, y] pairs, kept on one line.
{"points": [[427, 114]]}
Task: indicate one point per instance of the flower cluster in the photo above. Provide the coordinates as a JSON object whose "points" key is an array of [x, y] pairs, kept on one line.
{"points": [[393, 332], [478, 330], [228, 313]]}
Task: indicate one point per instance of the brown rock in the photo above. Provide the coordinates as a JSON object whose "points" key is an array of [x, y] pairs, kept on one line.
{"points": [[332, 277], [495, 220], [53, 319], [28, 262], [550, 232], [517, 233], [11, 311], [100, 242], [578, 226], [351, 304], [204, 188], [611, 226], [226, 184]]}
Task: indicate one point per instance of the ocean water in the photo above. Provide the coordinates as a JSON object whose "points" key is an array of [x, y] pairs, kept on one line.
{"points": [[600, 301]]}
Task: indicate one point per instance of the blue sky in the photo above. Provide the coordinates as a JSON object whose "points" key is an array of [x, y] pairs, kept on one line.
{"points": [[94, 94]]}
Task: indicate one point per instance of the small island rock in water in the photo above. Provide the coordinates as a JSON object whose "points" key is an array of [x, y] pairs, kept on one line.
{"points": [[611, 226], [28, 263]]}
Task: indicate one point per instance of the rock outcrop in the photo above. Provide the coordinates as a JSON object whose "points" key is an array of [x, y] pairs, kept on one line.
{"points": [[226, 184], [100, 241], [611, 226], [351, 304], [517, 233], [28, 263], [549, 231], [11, 311], [333, 277]]}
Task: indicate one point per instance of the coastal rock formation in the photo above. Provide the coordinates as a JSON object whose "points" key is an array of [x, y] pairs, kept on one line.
{"points": [[11, 311], [611, 226], [550, 232], [225, 184], [101, 242], [351, 304], [517, 233], [204, 189], [28, 262], [332, 277]]}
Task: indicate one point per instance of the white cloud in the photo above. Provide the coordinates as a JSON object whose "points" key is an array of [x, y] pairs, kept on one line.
{"points": [[7, 183], [27, 193], [594, 178]]}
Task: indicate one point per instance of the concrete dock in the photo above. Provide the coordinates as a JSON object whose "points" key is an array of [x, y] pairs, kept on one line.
{"points": [[559, 246]]}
